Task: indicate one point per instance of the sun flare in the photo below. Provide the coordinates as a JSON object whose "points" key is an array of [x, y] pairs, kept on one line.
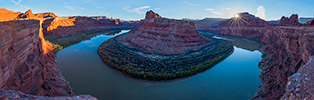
{"points": [[236, 16]]}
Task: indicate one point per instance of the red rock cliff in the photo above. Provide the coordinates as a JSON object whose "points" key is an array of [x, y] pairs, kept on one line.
{"points": [[165, 36], [27, 61], [285, 51]]}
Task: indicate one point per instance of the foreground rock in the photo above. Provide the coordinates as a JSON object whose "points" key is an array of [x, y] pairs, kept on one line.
{"points": [[16, 95], [27, 61], [163, 49]]}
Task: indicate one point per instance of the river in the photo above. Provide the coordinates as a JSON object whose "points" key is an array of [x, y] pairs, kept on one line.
{"points": [[235, 78]]}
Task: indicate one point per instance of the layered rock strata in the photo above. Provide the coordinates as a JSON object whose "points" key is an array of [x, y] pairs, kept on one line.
{"points": [[285, 51], [28, 62], [165, 36]]}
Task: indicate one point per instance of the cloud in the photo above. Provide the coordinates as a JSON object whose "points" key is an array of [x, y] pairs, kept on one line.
{"points": [[260, 12], [17, 3], [213, 11], [209, 9], [136, 10]]}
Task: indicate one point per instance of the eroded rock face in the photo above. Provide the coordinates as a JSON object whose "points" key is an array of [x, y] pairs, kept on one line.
{"points": [[292, 21], [164, 36], [61, 26], [27, 61], [285, 50]]}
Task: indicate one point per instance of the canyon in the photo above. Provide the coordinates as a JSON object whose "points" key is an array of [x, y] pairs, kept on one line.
{"points": [[28, 66]]}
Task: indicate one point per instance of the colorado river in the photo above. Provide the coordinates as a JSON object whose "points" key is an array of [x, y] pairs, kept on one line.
{"points": [[235, 78]]}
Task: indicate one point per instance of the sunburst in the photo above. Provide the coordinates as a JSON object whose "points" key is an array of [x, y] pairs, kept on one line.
{"points": [[237, 21]]}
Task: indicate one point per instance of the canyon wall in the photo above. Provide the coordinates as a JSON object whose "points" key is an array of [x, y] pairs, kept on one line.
{"points": [[285, 50], [28, 63]]}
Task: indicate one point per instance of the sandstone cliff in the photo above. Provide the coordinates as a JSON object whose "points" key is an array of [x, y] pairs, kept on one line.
{"points": [[165, 36], [285, 51], [28, 62]]}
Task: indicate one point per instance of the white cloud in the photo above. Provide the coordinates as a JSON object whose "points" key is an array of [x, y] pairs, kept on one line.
{"points": [[213, 11], [17, 3], [136, 10], [260, 12], [217, 13], [209, 9]]}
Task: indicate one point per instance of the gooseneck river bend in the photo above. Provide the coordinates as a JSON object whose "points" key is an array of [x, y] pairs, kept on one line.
{"points": [[235, 78]]}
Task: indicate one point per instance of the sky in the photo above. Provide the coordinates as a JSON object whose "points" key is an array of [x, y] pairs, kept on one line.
{"points": [[177, 9]]}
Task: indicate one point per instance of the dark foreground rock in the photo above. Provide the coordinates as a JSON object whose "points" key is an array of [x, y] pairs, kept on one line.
{"points": [[16, 95]]}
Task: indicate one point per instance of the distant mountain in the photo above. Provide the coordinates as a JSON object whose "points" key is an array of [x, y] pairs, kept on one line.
{"points": [[303, 20]]}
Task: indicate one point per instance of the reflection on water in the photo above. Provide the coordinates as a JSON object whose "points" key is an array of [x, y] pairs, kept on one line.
{"points": [[235, 78]]}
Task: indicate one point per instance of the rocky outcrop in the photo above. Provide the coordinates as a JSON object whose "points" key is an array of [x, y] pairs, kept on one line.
{"points": [[285, 51], [64, 26], [16, 95], [164, 36], [29, 14], [292, 21], [28, 63], [6, 15]]}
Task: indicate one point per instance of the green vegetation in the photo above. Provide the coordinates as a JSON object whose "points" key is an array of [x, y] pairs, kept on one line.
{"points": [[55, 47], [125, 60]]}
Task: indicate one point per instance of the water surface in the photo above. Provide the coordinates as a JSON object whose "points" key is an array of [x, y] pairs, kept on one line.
{"points": [[235, 78]]}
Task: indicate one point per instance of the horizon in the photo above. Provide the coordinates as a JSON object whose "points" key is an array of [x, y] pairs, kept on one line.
{"points": [[185, 9]]}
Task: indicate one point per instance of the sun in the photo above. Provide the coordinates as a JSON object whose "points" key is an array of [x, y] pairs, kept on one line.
{"points": [[236, 16]]}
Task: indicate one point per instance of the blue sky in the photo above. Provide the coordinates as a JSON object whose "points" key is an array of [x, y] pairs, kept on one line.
{"points": [[135, 9]]}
